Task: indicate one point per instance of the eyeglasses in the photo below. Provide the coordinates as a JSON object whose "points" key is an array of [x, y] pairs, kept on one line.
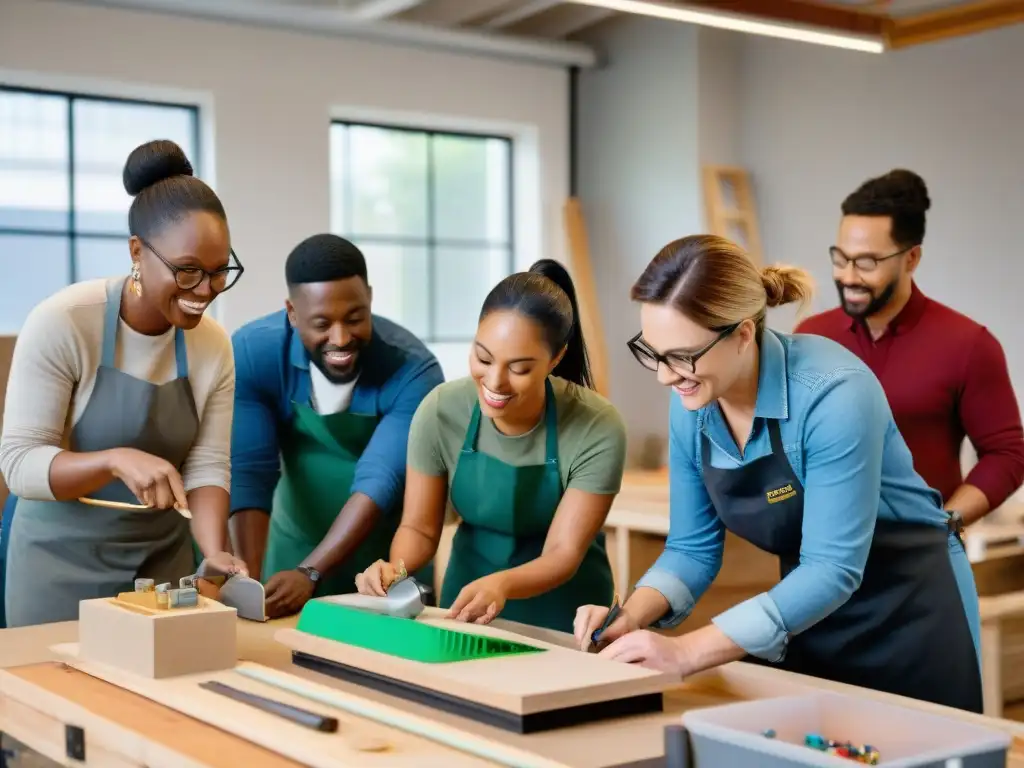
{"points": [[680, 363], [861, 263], [187, 278]]}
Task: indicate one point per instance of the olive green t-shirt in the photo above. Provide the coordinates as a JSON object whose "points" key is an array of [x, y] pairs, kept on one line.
{"points": [[591, 436]]}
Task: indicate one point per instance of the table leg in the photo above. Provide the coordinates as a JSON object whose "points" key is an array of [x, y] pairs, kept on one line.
{"points": [[991, 667]]}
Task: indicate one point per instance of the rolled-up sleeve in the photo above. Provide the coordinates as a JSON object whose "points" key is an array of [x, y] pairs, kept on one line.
{"points": [[693, 551], [843, 442], [380, 471], [255, 456]]}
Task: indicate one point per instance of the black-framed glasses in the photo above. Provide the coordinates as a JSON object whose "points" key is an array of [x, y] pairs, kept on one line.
{"points": [[861, 263], [187, 278], [680, 363]]}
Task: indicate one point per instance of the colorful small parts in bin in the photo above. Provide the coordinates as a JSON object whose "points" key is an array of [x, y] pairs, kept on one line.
{"points": [[862, 754]]}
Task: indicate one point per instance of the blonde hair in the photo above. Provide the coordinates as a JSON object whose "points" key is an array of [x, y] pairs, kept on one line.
{"points": [[714, 282]]}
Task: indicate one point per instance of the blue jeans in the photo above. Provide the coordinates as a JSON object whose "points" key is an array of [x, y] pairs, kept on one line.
{"points": [[5, 535]]}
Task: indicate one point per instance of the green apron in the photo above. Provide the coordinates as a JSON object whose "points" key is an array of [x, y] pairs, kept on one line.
{"points": [[506, 512], [318, 463]]}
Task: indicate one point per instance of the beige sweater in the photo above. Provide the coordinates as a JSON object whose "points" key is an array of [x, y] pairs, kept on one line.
{"points": [[53, 372]]}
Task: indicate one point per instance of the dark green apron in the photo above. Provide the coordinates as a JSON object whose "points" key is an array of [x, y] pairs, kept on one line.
{"points": [[506, 512], [318, 463]]}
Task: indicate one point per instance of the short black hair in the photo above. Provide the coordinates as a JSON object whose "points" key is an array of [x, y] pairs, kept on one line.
{"points": [[159, 176], [323, 259], [900, 194]]}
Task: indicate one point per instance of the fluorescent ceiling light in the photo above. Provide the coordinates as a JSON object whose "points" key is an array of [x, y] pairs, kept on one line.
{"points": [[737, 23]]}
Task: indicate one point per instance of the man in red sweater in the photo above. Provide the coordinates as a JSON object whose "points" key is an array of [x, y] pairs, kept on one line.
{"points": [[945, 375]]}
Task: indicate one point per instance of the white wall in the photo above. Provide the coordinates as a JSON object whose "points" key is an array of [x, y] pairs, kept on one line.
{"points": [[268, 97], [816, 122], [639, 184], [810, 123]]}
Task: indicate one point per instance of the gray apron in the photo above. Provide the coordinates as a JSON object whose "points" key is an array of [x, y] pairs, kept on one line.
{"points": [[62, 552]]}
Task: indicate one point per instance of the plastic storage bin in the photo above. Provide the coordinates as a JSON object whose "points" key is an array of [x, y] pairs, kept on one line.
{"points": [[732, 735]]}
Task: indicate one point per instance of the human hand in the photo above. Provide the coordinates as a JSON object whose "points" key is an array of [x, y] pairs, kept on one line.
{"points": [[286, 592], [480, 601], [154, 481], [649, 649], [376, 579], [589, 619], [225, 563]]}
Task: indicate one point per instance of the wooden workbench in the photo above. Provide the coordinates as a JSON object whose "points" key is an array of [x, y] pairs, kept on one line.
{"points": [[39, 697]]}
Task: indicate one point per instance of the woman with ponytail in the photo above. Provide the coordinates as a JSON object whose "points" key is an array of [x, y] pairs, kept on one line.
{"points": [[531, 458], [787, 441]]}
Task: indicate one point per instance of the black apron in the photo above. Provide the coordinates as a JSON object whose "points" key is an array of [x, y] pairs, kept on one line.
{"points": [[904, 631]]}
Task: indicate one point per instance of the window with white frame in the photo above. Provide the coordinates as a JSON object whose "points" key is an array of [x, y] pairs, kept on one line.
{"points": [[63, 208], [432, 212]]}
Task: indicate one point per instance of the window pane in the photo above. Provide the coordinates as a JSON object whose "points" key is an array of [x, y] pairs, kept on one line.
{"points": [[33, 161], [37, 266], [471, 189], [105, 133], [97, 257], [463, 278], [384, 182], [400, 283]]}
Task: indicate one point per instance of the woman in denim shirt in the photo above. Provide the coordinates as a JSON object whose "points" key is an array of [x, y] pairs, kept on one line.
{"points": [[788, 442]]}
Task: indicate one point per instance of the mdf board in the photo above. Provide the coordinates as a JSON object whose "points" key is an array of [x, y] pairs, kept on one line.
{"points": [[357, 742], [523, 693]]}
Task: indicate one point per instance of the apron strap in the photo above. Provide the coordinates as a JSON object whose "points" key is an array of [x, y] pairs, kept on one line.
{"points": [[775, 435], [550, 424], [180, 353], [112, 315], [469, 443], [110, 320]]}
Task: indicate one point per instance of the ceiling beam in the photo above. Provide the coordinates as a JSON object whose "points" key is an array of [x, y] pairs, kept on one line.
{"points": [[337, 22], [945, 23], [519, 13], [452, 13], [375, 10], [560, 22]]}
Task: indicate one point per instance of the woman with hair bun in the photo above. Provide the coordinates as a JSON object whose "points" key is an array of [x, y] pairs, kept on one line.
{"points": [[530, 457], [788, 442], [121, 393]]}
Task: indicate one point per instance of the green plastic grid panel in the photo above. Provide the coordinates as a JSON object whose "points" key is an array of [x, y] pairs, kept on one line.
{"points": [[404, 638]]}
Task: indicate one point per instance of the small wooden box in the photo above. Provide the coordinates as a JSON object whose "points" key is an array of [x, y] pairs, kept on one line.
{"points": [[158, 643]]}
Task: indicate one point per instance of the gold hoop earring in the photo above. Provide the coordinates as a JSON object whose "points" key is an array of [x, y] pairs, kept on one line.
{"points": [[136, 286]]}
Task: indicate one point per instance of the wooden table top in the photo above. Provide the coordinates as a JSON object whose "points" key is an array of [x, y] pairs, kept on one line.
{"points": [[29, 666]]}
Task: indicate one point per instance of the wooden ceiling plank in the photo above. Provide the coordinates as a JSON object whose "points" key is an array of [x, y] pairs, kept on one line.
{"points": [[956, 21]]}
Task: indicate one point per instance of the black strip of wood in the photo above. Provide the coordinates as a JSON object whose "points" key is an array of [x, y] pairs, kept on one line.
{"points": [[509, 721]]}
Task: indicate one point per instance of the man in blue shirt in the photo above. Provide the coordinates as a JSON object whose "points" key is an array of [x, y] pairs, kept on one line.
{"points": [[789, 443], [324, 396]]}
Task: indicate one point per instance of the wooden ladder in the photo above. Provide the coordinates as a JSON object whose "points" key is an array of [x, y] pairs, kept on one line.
{"points": [[729, 208]]}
